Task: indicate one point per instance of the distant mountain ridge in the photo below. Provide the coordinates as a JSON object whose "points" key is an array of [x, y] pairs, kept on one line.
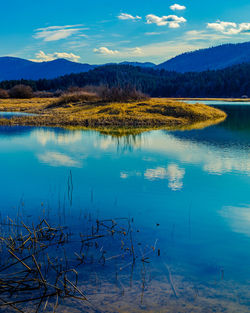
{"points": [[197, 61], [209, 59], [16, 68]]}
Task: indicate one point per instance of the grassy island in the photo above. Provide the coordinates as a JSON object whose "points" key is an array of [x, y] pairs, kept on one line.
{"points": [[145, 114]]}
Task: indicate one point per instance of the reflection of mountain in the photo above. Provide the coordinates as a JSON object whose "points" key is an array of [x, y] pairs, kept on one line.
{"points": [[14, 130]]}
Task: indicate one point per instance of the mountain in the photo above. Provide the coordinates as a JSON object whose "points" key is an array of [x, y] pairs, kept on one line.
{"points": [[15, 68], [209, 59]]}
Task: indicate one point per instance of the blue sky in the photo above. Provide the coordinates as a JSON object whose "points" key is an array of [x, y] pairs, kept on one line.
{"points": [[100, 31]]}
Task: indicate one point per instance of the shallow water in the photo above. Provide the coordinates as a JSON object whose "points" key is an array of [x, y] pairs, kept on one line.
{"points": [[9, 115], [188, 189], [219, 102]]}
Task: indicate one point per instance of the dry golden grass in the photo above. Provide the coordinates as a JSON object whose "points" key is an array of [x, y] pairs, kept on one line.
{"points": [[153, 113], [24, 105]]}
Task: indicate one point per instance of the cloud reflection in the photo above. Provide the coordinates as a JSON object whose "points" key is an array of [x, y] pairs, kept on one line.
{"points": [[58, 159], [45, 136], [172, 173], [213, 159], [238, 218]]}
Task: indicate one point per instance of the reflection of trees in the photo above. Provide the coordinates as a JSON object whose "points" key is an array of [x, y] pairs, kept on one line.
{"points": [[124, 139], [234, 131], [129, 138], [238, 118]]}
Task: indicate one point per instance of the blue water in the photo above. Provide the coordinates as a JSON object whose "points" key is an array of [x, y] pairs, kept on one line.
{"points": [[219, 102], [9, 115], [194, 184]]}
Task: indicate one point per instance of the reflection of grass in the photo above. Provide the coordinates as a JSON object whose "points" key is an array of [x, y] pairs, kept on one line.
{"points": [[139, 116]]}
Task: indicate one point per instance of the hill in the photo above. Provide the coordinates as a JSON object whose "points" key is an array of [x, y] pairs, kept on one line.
{"points": [[15, 68], [232, 82], [209, 59]]}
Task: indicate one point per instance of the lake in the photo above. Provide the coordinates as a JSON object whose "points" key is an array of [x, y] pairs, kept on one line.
{"points": [[9, 115], [187, 191]]}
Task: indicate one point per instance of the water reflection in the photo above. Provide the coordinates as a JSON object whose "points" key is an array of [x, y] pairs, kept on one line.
{"points": [[58, 159], [9, 115], [172, 173], [238, 218], [188, 189], [218, 149], [57, 136]]}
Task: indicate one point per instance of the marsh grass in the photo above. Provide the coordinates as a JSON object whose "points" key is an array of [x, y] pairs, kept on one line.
{"points": [[74, 98], [146, 114], [41, 265]]}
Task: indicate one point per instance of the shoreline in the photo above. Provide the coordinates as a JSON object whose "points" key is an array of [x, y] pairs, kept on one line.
{"points": [[212, 99]]}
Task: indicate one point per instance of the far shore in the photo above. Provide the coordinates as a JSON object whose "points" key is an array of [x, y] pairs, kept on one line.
{"points": [[155, 113], [213, 99]]}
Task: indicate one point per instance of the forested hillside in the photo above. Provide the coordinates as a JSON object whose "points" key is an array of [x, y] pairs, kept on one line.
{"points": [[230, 82]]}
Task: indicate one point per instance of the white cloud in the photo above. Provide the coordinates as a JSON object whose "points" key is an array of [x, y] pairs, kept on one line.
{"points": [[172, 21], [229, 28], [177, 7], [161, 51], [125, 16], [105, 51], [153, 33], [54, 33], [136, 50], [203, 35], [126, 52], [43, 57]]}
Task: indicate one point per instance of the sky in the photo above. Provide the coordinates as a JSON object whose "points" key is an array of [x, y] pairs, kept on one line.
{"points": [[102, 31]]}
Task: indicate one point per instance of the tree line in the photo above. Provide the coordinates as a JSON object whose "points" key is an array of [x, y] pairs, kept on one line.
{"points": [[232, 82]]}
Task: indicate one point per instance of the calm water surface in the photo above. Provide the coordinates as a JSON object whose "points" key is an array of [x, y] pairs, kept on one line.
{"points": [[194, 184], [9, 115]]}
